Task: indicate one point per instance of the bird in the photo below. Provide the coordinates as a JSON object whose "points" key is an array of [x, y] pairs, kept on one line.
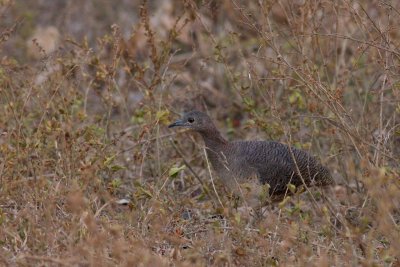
{"points": [[257, 163]]}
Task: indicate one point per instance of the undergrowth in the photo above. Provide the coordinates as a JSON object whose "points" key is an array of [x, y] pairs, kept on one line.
{"points": [[86, 97]]}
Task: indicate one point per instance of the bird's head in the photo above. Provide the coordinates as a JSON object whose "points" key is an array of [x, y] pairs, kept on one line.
{"points": [[194, 120]]}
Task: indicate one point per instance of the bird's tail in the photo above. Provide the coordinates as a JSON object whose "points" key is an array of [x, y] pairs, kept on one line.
{"points": [[324, 177]]}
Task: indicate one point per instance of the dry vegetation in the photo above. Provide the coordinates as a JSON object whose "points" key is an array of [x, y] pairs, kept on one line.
{"points": [[88, 87]]}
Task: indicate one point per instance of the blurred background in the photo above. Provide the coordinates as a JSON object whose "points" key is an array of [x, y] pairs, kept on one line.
{"points": [[87, 89]]}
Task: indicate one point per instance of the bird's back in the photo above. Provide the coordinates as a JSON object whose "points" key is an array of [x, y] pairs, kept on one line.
{"points": [[276, 164]]}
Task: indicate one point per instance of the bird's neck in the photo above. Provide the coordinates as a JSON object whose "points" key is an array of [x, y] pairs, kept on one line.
{"points": [[215, 147], [214, 140]]}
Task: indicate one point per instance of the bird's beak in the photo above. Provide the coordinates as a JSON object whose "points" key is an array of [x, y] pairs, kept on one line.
{"points": [[177, 124]]}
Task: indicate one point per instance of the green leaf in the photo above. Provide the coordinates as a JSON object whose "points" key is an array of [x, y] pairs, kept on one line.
{"points": [[284, 202], [117, 168], [162, 115], [109, 160], [237, 218], [292, 188], [175, 170], [145, 192], [116, 183]]}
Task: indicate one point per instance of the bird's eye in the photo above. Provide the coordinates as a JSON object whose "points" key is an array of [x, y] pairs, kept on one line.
{"points": [[190, 120]]}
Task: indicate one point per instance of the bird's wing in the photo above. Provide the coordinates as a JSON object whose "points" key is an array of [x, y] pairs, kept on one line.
{"points": [[270, 160]]}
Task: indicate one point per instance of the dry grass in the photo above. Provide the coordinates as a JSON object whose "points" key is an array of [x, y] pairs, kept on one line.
{"points": [[86, 92]]}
